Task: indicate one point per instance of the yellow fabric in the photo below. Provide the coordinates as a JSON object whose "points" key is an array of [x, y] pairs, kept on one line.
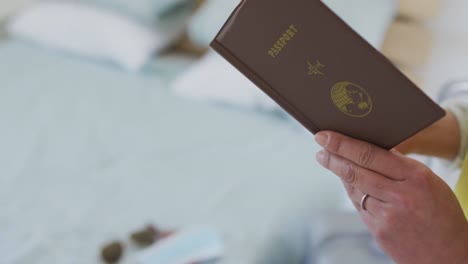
{"points": [[461, 189]]}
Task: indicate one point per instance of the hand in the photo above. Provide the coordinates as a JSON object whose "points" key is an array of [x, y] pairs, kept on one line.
{"points": [[414, 216]]}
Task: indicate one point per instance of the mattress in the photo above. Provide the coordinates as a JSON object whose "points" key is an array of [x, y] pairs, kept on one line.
{"points": [[89, 153]]}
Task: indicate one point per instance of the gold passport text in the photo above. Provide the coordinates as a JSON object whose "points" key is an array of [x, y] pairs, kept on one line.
{"points": [[283, 41]]}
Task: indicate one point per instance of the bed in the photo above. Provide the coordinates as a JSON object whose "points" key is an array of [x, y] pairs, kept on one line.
{"points": [[90, 152]]}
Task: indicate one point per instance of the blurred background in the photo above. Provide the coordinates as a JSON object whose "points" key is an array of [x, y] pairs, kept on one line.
{"points": [[125, 139]]}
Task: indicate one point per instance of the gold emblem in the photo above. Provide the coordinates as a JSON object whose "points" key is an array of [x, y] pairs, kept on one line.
{"points": [[351, 99], [315, 69]]}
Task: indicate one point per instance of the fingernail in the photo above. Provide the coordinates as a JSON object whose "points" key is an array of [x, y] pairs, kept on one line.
{"points": [[322, 139], [321, 157]]}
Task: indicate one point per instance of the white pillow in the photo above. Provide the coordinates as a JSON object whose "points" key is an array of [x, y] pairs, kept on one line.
{"points": [[88, 31], [212, 79]]}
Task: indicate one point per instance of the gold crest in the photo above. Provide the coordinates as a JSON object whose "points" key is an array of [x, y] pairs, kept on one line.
{"points": [[351, 99]]}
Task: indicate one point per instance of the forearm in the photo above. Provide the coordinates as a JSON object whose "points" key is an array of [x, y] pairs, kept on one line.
{"points": [[442, 140]]}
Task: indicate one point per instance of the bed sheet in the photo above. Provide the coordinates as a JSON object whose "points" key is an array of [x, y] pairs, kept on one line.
{"points": [[89, 153]]}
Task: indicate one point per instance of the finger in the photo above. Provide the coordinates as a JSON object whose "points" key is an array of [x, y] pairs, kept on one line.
{"points": [[358, 177], [365, 155], [370, 220], [371, 205]]}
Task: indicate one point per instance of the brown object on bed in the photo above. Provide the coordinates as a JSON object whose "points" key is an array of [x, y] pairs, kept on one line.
{"points": [[198, 4], [112, 252], [408, 44], [419, 9], [184, 43], [186, 46], [145, 237]]}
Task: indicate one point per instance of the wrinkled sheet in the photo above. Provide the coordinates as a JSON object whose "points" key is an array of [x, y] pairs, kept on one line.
{"points": [[89, 153]]}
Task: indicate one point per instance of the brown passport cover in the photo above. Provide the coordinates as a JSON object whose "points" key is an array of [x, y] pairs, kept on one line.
{"points": [[322, 72]]}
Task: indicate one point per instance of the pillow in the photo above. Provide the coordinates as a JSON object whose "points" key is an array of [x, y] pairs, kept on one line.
{"points": [[92, 32], [147, 11], [369, 17], [214, 80]]}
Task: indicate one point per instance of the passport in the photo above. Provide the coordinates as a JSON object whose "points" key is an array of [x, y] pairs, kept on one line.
{"points": [[323, 73]]}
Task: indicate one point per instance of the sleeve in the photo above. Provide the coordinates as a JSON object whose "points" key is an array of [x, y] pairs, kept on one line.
{"points": [[459, 107]]}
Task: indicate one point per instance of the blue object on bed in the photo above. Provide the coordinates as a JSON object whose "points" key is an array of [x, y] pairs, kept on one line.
{"points": [[89, 153]]}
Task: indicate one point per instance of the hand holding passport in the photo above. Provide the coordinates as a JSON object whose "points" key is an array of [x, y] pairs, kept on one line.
{"points": [[323, 73]]}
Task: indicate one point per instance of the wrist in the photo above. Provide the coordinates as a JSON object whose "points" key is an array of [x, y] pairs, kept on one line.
{"points": [[442, 139], [413, 145]]}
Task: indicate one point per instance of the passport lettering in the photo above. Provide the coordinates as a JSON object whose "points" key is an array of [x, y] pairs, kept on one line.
{"points": [[281, 43]]}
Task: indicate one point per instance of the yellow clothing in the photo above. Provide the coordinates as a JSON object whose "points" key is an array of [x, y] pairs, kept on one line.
{"points": [[456, 101], [458, 105], [461, 188]]}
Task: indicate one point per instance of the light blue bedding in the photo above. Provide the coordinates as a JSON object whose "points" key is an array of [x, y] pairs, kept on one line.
{"points": [[89, 153]]}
